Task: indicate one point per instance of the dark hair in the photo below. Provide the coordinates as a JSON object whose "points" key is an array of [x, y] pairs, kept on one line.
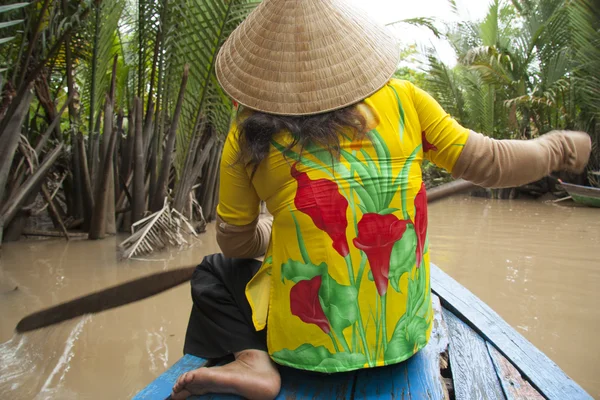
{"points": [[258, 128]]}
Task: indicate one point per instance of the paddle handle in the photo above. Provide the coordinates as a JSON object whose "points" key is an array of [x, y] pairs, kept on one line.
{"points": [[141, 288]]}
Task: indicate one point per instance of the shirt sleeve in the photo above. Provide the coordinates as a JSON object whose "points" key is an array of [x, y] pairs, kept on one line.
{"points": [[239, 203], [442, 136]]}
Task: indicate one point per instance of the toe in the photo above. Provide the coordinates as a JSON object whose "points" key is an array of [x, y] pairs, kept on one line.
{"points": [[180, 384], [182, 395]]}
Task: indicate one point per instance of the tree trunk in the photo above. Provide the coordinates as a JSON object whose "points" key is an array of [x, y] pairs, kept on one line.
{"points": [[210, 184], [88, 198], [192, 169], [31, 185], [107, 168], [99, 227], [139, 197], [93, 155], [163, 177], [9, 142]]}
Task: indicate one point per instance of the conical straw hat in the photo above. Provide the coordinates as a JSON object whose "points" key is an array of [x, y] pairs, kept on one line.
{"points": [[298, 57]]}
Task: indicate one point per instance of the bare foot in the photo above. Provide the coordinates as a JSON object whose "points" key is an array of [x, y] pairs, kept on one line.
{"points": [[252, 375]]}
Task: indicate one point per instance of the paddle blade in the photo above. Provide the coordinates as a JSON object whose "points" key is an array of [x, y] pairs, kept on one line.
{"points": [[106, 299]]}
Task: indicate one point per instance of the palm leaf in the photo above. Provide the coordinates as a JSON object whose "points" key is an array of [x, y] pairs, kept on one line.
{"points": [[196, 29], [103, 44], [164, 228]]}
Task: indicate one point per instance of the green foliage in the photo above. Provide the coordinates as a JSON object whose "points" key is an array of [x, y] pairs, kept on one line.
{"points": [[321, 358], [528, 67]]}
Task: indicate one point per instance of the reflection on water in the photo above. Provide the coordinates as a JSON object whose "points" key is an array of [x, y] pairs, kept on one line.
{"points": [[536, 264]]}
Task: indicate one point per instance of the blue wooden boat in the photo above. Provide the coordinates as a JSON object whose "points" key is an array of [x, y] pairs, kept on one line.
{"points": [[472, 354]]}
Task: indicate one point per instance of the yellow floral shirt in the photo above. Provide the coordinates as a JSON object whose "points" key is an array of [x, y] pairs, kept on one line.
{"points": [[345, 281]]}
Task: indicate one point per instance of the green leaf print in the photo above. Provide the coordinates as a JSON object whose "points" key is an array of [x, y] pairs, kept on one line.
{"points": [[400, 112], [309, 354], [320, 357], [339, 303], [416, 331], [384, 160], [340, 360], [301, 244], [403, 257], [388, 211], [401, 180], [296, 271], [408, 337], [399, 347]]}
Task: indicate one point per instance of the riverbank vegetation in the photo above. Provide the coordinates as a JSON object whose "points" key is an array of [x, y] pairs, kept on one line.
{"points": [[529, 67], [110, 106]]}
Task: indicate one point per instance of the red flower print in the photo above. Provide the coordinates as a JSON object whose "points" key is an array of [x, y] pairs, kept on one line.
{"points": [[421, 221], [323, 203], [426, 145], [304, 303], [376, 237]]}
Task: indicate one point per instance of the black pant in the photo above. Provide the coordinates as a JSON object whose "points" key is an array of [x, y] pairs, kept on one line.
{"points": [[221, 318]]}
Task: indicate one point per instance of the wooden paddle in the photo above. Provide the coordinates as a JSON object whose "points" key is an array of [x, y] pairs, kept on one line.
{"points": [[148, 286]]}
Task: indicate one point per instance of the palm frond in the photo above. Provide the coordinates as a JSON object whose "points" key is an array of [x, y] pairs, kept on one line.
{"points": [[101, 32], [8, 20], [196, 30], [420, 22], [164, 228]]}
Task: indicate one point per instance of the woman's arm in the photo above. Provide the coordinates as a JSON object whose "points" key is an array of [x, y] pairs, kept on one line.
{"points": [[504, 163], [240, 231]]}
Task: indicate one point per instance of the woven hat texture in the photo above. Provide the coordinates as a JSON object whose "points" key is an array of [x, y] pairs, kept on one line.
{"points": [[298, 57]]}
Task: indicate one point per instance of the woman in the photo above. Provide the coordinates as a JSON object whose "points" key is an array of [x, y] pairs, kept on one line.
{"points": [[334, 147]]}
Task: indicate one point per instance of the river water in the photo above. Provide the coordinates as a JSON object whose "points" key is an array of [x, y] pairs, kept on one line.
{"points": [[537, 264]]}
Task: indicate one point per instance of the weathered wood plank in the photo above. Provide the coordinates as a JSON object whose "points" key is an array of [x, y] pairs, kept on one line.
{"points": [[473, 373], [417, 378], [513, 384], [424, 378], [543, 374]]}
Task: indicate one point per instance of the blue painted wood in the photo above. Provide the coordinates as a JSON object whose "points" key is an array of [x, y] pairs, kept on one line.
{"points": [[160, 388], [418, 378], [543, 374], [473, 372], [295, 384]]}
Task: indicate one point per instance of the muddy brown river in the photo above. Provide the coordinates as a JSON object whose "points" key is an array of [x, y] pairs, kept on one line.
{"points": [[537, 264]]}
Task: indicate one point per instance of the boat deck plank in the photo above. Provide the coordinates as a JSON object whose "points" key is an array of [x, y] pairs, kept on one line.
{"points": [[543, 374], [473, 372], [514, 386]]}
